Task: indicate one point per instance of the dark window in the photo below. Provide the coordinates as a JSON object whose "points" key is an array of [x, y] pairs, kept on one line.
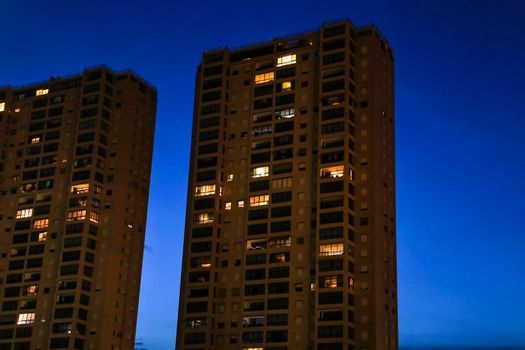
{"points": [[278, 304], [279, 272], [256, 274], [283, 140], [259, 185], [201, 247], [331, 265], [332, 157], [257, 214], [284, 99], [280, 197], [334, 57], [256, 229], [280, 226], [331, 298], [332, 128], [331, 217], [278, 288], [333, 113], [255, 259], [262, 103], [281, 211], [254, 289], [208, 135], [276, 336], [331, 233], [200, 232], [260, 157]]}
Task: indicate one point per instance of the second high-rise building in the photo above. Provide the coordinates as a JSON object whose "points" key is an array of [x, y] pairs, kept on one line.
{"points": [[290, 228], [74, 181]]}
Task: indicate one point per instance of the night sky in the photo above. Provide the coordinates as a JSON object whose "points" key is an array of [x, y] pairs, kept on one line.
{"points": [[460, 97]]}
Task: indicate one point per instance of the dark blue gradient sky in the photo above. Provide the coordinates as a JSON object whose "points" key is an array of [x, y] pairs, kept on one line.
{"points": [[460, 97]]}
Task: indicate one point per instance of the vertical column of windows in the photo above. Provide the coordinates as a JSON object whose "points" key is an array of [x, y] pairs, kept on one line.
{"points": [[335, 248]]}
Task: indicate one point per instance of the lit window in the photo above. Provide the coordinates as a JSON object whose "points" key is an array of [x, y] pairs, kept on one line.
{"points": [[41, 223], [27, 318], [17, 110], [285, 182], [24, 213], [252, 348], [76, 215], [264, 78], [32, 290], [260, 172], [42, 236], [228, 206], [196, 323], [253, 321], [229, 177], [80, 188], [262, 199], [286, 85], [286, 60], [280, 242], [330, 281], [240, 204], [331, 249], [2, 106], [94, 217], [287, 113], [334, 171], [35, 140], [254, 244], [41, 92], [203, 218], [204, 190]]}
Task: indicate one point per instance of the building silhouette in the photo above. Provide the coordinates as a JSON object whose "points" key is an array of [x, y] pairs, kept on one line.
{"points": [[74, 180], [290, 227]]}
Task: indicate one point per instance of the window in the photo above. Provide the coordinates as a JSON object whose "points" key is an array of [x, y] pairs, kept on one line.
{"points": [[264, 78], [35, 140], [254, 244], [24, 213], [287, 113], [332, 172], [333, 281], [203, 218], [42, 223], [2, 106], [260, 172], [253, 321], [26, 318], [285, 182], [286, 60], [94, 217], [204, 190], [259, 200], [80, 188], [42, 236], [229, 177], [228, 206], [280, 242], [41, 92], [76, 215], [286, 86], [240, 204], [331, 249]]}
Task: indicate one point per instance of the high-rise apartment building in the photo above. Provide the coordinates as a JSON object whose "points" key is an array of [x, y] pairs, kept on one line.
{"points": [[74, 182], [290, 227]]}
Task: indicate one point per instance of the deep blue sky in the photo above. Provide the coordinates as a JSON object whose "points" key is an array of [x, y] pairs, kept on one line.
{"points": [[460, 97]]}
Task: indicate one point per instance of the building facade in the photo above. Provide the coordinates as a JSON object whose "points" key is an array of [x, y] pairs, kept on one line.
{"points": [[290, 228], [74, 182]]}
